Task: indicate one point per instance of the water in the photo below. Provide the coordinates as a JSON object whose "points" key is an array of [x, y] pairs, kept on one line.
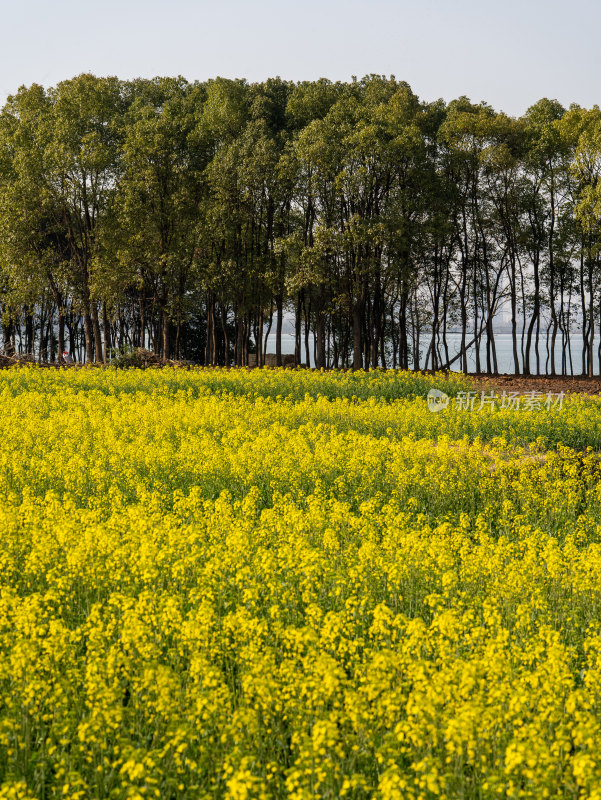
{"points": [[504, 347]]}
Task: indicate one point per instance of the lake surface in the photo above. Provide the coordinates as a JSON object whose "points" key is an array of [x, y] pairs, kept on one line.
{"points": [[503, 344]]}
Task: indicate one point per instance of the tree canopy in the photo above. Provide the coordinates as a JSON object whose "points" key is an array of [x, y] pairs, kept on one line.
{"points": [[195, 219]]}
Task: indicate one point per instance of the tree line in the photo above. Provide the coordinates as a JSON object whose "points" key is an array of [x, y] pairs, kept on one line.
{"points": [[196, 219]]}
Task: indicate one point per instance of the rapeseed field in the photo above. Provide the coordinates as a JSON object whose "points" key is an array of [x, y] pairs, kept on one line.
{"points": [[293, 584]]}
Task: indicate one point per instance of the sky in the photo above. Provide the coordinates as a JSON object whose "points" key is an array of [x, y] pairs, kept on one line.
{"points": [[509, 54]]}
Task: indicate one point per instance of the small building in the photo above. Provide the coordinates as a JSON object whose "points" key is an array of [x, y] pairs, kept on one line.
{"points": [[288, 360]]}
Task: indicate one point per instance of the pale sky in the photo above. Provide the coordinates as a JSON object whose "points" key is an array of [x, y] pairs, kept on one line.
{"points": [[508, 53]]}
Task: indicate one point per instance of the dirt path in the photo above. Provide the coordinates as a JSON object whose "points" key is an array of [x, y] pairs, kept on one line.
{"points": [[540, 383]]}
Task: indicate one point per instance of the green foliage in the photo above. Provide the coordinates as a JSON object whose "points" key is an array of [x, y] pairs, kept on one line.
{"points": [[374, 215]]}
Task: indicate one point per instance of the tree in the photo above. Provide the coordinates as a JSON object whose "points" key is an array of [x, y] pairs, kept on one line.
{"points": [[152, 241]]}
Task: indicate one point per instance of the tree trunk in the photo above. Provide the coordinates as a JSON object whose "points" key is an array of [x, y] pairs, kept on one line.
{"points": [[88, 334], [357, 342], [107, 334], [279, 300], [320, 332], [165, 334], [97, 334]]}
